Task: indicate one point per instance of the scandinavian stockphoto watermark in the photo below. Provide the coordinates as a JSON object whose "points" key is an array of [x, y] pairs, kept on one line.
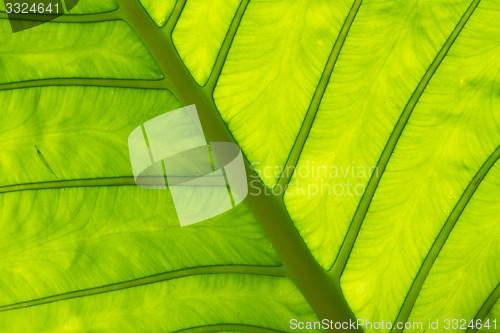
{"points": [[310, 179], [205, 179], [26, 14]]}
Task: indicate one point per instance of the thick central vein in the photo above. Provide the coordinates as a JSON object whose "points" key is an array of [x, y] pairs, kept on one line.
{"points": [[322, 294]]}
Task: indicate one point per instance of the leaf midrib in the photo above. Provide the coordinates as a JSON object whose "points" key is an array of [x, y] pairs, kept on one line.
{"points": [[310, 115], [323, 296], [321, 293]]}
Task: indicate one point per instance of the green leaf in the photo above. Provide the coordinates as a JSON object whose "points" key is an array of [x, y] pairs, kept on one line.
{"points": [[198, 42], [371, 133], [177, 300], [108, 50], [270, 75], [363, 102], [454, 275]]}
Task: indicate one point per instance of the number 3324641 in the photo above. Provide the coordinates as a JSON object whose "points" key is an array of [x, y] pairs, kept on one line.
{"points": [[36, 8]]}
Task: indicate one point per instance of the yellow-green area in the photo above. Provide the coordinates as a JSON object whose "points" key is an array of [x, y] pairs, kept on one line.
{"points": [[451, 133], [382, 61], [92, 50], [397, 175], [58, 133], [199, 33], [170, 306], [159, 10], [270, 75], [472, 250]]}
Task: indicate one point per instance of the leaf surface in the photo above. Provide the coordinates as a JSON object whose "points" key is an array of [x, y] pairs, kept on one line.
{"points": [[395, 104], [450, 134]]}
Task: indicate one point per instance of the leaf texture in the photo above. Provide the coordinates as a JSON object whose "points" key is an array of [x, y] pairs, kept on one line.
{"points": [[375, 123]]}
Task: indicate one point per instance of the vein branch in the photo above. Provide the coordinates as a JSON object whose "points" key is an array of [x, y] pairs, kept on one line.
{"points": [[94, 182], [366, 199], [255, 270], [441, 239], [174, 17], [110, 83], [228, 327], [488, 305], [226, 45], [307, 124], [150, 181]]}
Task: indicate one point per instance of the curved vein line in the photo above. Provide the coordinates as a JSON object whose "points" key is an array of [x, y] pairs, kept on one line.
{"points": [[66, 18], [105, 83], [58, 184], [226, 46], [441, 239], [108, 182], [311, 112], [228, 327], [485, 309], [366, 199], [175, 16], [275, 271]]}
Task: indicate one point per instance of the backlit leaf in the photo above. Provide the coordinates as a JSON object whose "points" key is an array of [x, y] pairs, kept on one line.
{"points": [[371, 135]]}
